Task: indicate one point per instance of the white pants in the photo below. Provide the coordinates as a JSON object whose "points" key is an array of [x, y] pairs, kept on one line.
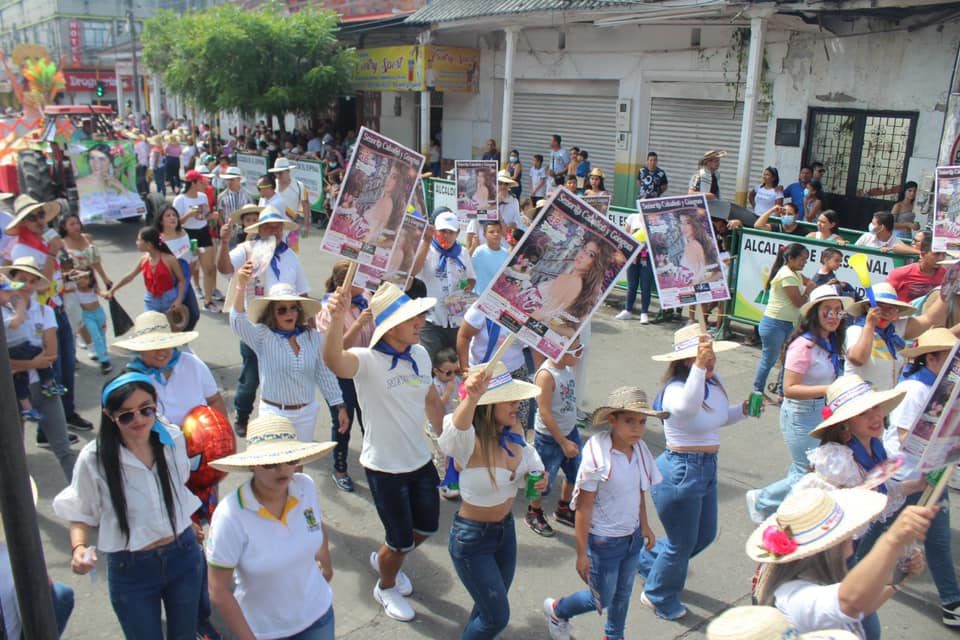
{"points": [[304, 419]]}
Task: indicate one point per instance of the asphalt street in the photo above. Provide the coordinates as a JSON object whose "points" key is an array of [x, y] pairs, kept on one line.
{"points": [[752, 455]]}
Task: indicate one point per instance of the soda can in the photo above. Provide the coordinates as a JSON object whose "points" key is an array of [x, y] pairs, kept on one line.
{"points": [[756, 404], [532, 479], [193, 245]]}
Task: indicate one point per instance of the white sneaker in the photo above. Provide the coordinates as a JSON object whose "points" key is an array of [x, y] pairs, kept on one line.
{"points": [[448, 493], [559, 629], [402, 583], [394, 604], [644, 318], [755, 515], [623, 315]]}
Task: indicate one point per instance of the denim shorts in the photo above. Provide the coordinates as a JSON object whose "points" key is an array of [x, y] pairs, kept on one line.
{"points": [[553, 459], [407, 503]]}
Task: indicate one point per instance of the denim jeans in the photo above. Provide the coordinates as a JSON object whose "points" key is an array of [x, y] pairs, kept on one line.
{"points": [[161, 303], [686, 502], [62, 596], [554, 459], [139, 581], [158, 178], [613, 568], [773, 333], [65, 366], [54, 427], [484, 555], [349, 391], [797, 420], [171, 169], [248, 381], [96, 323], [322, 629], [639, 275]]}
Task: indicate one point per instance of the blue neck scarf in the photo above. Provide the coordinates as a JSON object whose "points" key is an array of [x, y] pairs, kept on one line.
{"points": [[452, 252], [385, 348], [830, 346], [292, 333], [275, 260], [889, 335], [155, 372], [920, 374], [359, 301], [506, 435], [869, 459], [493, 334]]}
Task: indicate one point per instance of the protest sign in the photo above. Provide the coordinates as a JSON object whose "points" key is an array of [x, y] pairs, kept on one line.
{"points": [[310, 174], [373, 200], [401, 259], [558, 274], [444, 195], [106, 180], [946, 226], [419, 200], [477, 195], [683, 251], [600, 203], [933, 441], [252, 166]]}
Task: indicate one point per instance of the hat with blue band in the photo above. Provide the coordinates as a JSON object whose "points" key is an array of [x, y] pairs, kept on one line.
{"points": [[391, 306], [271, 214]]}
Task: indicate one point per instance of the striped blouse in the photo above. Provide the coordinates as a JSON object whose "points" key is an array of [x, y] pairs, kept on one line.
{"points": [[286, 378]]}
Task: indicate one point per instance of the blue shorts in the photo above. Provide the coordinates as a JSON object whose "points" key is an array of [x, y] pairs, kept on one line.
{"points": [[407, 503], [553, 459]]}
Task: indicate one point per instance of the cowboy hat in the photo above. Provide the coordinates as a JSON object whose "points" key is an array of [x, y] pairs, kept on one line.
{"points": [[178, 317], [271, 439], [685, 342], [283, 292], [713, 153], [27, 264], [391, 306], [596, 172], [930, 341], [237, 216], [282, 164], [151, 331], [823, 293], [812, 520], [24, 205], [271, 214], [503, 177], [502, 387], [885, 293], [232, 173], [849, 396], [632, 399], [764, 623]]}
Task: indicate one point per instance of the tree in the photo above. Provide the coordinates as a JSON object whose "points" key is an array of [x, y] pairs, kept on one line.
{"points": [[262, 61]]}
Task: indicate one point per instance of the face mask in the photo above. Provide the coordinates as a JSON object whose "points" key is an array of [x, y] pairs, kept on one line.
{"points": [[442, 241], [332, 165], [787, 221], [513, 158], [872, 228], [806, 192]]}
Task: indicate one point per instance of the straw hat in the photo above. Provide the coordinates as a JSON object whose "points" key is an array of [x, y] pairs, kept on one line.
{"points": [[233, 173], [271, 214], [503, 177], [271, 439], [849, 396], [151, 331], [714, 154], [23, 206], [764, 623], [237, 216], [809, 521], [391, 306], [885, 293], [282, 164], [33, 490], [503, 388], [178, 318], [156, 140], [596, 172], [930, 341], [626, 399], [27, 264], [823, 293], [685, 342], [283, 292]]}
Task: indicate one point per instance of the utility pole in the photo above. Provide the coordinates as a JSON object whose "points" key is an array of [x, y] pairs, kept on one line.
{"points": [[133, 55]]}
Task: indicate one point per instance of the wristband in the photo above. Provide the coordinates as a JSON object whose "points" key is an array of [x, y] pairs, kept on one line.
{"points": [[77, 546]]}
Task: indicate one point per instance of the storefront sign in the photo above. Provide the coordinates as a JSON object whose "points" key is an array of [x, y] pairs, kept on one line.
{"points": [[452, 68], [76, 49], [417, 68], [78, 81]]}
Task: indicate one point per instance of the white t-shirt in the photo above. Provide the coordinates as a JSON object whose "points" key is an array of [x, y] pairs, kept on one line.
{"points": [[292, 196], [870, 240], [902, 417], [510, 212], [182, 204], [441, 285], [813, 607], [291, 272], [180, 248], [20, 250], [393, 405], [280, 588], [189, 385], [536, 175], [480, 343], [39, 318], [764, 199], [881, 369]]}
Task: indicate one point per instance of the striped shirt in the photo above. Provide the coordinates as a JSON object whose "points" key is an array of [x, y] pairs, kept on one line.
{"points": [[229, 201], [285, 378]]}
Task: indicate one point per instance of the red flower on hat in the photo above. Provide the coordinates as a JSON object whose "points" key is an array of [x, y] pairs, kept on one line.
{"points": [[778, 542], [826, 412]]}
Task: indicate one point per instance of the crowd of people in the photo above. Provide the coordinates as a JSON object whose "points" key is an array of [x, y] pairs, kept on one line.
{"points": [[397, 362]]}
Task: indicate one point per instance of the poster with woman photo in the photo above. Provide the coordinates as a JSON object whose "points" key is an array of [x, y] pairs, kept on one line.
{"points": [[558, 274], [106, 180], [477, 196], [946, 216], [683, 251], [600, 203], [933, 441], [401, 259], [373, 200]]}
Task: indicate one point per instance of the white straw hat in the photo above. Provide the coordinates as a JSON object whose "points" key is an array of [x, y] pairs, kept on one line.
{"points": [[823, 293], [632, 399], [503, 387], [812, 520], [685, 343], [849, 396], [271, 214], [237, 216], [27, 264], [503, 177], [151, 331], [391, 306], [885, 293], [282, 164], [764, 623], [283, 292], [233, 173], [930, 341], [271, 439], [24, 205]]}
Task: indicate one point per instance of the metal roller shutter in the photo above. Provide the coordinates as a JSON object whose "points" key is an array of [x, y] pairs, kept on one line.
{"points": [[681, 130], [585, 121]]}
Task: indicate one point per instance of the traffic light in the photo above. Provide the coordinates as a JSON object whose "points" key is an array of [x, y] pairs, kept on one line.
{"points": [[99, 89]]}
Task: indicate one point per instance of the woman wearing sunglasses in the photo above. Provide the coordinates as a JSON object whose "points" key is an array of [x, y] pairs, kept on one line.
{"points": [[289, 354], [130, 483]]}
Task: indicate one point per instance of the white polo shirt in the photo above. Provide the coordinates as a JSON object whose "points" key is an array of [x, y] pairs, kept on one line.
{"points": [[189, 385], [280, 588]]}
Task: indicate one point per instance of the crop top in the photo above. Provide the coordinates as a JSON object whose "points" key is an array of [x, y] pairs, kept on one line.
{"points": [[157, 278], [690, 424], [476, 487], [87, 297]]}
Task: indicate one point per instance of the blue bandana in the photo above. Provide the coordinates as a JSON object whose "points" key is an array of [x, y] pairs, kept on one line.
{"points": [[452, 252], [157, 372], [506, 435], [275, 260], [385, 348], [360, 302], [831, 347], [292, 333], [126, 378], [868, 460], [920, 374]]}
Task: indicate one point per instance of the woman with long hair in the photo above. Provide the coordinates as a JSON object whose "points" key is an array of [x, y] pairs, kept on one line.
{"points": [[905, 218], [595, 186], [381, 214], [173, 235], [575, 292], [813, 200], [515, 169], [130, 483], [698, 252], [769, 193], [828, 228], [162, 277]]}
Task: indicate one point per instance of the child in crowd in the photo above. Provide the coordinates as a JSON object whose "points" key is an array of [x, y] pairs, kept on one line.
{"points": [[489, 256], [609, 497], [94, 319], [538, 179], [446, 379], [556, 437], [830, 261], [583, 169]]}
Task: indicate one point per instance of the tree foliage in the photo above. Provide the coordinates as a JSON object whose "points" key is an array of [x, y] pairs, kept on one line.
{"points": [[263, 61]]}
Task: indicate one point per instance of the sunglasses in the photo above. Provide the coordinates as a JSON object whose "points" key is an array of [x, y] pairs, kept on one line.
{"points": [[451, 372], [832, 315], [127, 417], [291, 463], [262, 187], [282, 311]]}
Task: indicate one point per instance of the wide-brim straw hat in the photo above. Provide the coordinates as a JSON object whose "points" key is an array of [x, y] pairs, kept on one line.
{"points": [[271, 214], [271, 439], [27, 264], [685, 343], [233, 173], [237, 216], [156, 140], [815, 520], [931, 341], [282, 164], [391, 306], [596, 172], [283, 292], [823, 293], [885, 293], [23, 206], [151, 331], [503, 177], [503, 387], [764, 623], [849, 396], [178, 317], [632, 399], [714, 153]]}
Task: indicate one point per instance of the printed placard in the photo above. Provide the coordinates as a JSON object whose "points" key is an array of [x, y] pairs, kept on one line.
{"points": [[946, 225], [600, 203], [310, 174], [106, 180], [477, 195], [933, 441], [252, 166], [398, 268]]}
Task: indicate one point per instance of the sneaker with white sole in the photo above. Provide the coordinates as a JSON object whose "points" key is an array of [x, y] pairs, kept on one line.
{"points": [[755, 515], [402, 582], [951, 615], [558, 628], [644, 318], [624, 315], [649, 605], [394, 604]]}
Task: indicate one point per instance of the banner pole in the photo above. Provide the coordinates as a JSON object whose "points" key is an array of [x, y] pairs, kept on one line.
{"points": [[931, 495], [502, 349]]}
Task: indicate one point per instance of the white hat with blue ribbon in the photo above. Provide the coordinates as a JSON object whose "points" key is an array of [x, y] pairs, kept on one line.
{"points": [[391, 306], [685, 342], [271, 214]]}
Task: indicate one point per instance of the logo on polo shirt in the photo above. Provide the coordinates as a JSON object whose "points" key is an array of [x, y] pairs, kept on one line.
{"points": [[312, 524]]}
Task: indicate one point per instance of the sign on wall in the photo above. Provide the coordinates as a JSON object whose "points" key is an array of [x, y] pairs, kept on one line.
{"points": [[417, 68]]}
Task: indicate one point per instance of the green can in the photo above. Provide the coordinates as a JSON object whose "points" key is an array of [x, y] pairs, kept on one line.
{"points": [[532, 479], [193, 245], [756, 404]]}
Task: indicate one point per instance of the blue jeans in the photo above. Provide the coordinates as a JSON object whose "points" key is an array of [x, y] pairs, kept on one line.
{"points": [[158, 175], [248, 381], [686, 502], [613, 568], [639, 275], [161, 303], [139, 581], [64, 368], [62, 596], [554, 459], [773, 333], [484, 555], [322, 629], [96, 323], [797, 420]]}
